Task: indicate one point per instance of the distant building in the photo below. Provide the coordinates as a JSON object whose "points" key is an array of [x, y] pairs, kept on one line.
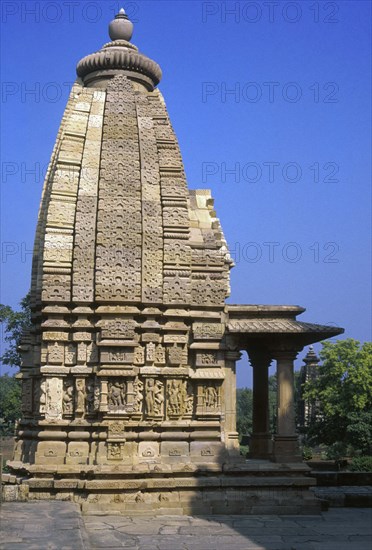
{"points": [[308, 409]]}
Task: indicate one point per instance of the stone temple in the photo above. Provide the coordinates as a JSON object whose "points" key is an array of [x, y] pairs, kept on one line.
{"points": [[129, 369]]}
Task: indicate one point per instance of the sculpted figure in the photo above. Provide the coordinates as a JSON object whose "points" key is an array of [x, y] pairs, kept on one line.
{"points": [[174, 397], [68, 396], [187, 397], [117, 394], [211, 397], [80, 396], [97, 397], [90, 396], [138, 398], [150, 391], [158, 397], [154, 397]]}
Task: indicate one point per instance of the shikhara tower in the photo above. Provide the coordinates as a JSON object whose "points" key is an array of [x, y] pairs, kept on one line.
{"points": [[129, 370]]}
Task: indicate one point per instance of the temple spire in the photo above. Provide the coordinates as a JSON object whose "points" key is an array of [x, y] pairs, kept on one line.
{"points": [[121, 28]]}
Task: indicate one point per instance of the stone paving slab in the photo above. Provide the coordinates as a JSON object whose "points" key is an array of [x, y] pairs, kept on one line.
{"points": [[56, 525]]}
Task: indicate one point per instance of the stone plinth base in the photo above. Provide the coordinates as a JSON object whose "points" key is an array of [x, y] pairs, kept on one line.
{"points": [[286, 449], [259, 487], [261, 446]]}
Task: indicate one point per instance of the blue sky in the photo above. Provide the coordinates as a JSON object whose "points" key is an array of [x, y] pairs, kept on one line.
{"points": [[271, 104]]}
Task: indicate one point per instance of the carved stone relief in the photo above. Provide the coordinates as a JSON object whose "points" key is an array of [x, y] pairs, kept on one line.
{"points": [[154, 397]]}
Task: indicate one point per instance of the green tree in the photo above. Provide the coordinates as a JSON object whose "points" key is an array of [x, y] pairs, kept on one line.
{"points": [[244, 403], [344, 391], [10, 403], [13, 325]]}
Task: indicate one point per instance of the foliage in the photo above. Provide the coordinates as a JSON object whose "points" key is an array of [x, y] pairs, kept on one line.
{"points": [[307, 453], [244, 404], [361, 464], [10, 403], [244, 450], [14, 323], [344, 391]]}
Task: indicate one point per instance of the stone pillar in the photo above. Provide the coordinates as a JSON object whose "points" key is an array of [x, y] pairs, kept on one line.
{"points": [[260, 444], [232, 436], [286, 448]]}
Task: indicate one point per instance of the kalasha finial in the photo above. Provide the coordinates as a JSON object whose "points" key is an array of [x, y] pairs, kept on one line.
{"points": [[121, 28]]}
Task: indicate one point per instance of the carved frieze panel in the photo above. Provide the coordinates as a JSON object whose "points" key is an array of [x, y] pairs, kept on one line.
{"points": [[118, 329], [208, 331], [117, 355], [207, 359]]}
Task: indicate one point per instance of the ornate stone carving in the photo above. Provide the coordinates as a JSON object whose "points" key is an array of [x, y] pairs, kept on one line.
{"points": [[53, 398], [119, 329], [138, 388], [139, 355], [116, 395], [116, 429], [154, 397], [55, 353], [114, 451], [80, 396], [159, 355], [179, 398], [175, 355], [208, 331], [150, 352], [70, 354], [93, 396], [211, 397], [68, 397]]}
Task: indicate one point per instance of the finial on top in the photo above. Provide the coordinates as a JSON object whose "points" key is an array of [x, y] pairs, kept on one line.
{"points": [[121, 28]]}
